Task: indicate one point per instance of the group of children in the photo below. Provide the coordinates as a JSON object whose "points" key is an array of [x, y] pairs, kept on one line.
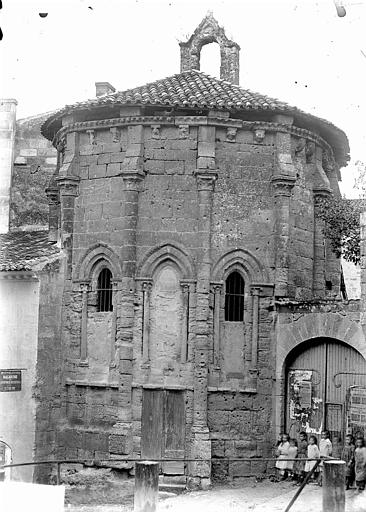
{"points": [[353, 453]]}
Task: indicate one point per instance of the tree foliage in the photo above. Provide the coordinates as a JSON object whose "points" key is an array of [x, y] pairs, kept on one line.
{"points": [[342, 225]]}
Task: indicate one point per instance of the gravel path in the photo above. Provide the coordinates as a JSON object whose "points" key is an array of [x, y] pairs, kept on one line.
{"points": [[248, 497]]}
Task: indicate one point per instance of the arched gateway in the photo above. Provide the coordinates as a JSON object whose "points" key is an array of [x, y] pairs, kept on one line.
{"points": [[325, 388]]}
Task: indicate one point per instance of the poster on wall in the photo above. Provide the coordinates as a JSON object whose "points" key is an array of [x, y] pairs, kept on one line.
{"points": [[10, 380], [356, 410]]}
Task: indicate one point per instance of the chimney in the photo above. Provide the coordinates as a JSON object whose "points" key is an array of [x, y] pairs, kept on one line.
{"points": [[7, 138], [102, 88]]}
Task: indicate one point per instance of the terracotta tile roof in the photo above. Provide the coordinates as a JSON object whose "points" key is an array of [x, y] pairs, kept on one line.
{"points": [[194, 89], [22, 250]]}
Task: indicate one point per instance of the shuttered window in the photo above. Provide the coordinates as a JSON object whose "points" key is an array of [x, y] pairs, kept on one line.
{"points": [[234, 298], [104, 290]]}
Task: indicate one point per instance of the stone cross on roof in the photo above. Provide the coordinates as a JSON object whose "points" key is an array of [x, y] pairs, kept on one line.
{"points": [[209, 31]]}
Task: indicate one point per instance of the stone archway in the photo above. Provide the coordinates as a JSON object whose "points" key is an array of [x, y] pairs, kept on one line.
{"points": [[308, 328]]}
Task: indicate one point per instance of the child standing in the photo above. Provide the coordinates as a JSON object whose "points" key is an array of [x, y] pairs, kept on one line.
{"points": [[302, 453], [313, 453], [292, 454], [282, 453], [325, 450], [348, 455], [360, 463]]}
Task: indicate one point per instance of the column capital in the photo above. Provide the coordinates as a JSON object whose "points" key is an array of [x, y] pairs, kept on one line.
{"points": [[320, 193], [132, 178], [52, 194], [68, 185], [84, 286], [205, 179], [283, 184]]}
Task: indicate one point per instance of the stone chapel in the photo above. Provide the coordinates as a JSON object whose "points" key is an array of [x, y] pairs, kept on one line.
{"points": [[197, 309]]}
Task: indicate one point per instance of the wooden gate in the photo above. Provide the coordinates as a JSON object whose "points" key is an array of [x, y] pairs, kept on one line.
{"points": [[163, 428], [319, 375]]}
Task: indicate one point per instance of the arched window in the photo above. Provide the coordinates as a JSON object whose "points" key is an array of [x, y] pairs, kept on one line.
{"points": [[104, 290], [234, 298]]}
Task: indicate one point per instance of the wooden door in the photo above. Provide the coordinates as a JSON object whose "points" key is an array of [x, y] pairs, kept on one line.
{"points": [[319, 375], [152, 423], [163, 428], [174, 427]]}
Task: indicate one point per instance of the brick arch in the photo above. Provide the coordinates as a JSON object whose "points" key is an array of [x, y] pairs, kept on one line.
{"points": [[164, 253], [236, 259], [317, 325], [86, 266]]}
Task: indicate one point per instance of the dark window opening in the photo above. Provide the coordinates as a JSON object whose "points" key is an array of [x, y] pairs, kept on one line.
{"points": [[234, 298], [328, 285], [104, 290]]}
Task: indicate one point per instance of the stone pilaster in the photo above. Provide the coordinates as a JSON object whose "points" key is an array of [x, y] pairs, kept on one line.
{"points": [[319, 249], [68, 187], [283, 180], [132, 176], [282, 194], [53, 213], [200, 473]]}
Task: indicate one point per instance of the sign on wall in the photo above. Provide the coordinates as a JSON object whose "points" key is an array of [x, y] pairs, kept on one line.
{"points": [[10, 380]]}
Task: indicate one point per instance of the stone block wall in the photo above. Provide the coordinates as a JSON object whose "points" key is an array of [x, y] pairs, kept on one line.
{"points": [[48, 392], [35, 162], [140, 198]]}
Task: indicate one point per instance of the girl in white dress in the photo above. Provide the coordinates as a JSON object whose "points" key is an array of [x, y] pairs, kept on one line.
{"points": [[313, 453], [282, 453]]}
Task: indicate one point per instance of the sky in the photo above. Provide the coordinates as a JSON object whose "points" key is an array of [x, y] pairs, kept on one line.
{"points": [[300, 52]]}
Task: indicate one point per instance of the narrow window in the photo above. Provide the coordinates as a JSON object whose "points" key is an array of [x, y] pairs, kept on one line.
{"points": [[234, 298], [104, 290]]}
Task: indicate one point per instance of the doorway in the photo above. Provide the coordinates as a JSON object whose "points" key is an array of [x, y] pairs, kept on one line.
{"points": [[163, 428], [319, 376]]}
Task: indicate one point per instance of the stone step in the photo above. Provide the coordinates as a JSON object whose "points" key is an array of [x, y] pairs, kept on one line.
{"points": [[172, 488]]}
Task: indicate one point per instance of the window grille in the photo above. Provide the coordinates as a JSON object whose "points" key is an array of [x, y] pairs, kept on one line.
{"points": [[104, 290], [234, 298]]}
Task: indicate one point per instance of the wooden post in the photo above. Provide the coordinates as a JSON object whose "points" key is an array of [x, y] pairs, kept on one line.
{"points": [[334, 486], [146, 486]]}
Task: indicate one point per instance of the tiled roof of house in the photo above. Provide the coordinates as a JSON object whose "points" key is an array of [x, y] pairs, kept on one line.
{"points": [[193, 89], [22, 250]]}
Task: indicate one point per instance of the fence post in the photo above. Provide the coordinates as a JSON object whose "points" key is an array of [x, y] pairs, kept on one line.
{"points": [[146, 486], [334, 486]]}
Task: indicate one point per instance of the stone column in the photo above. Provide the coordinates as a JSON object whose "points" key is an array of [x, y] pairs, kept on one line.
{"points": [[146, 292], [255, 325], [114, 323], [185, 322], [53, 209], [84, 287], [217, 306]]}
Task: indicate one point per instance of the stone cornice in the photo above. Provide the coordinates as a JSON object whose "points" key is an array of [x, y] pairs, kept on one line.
{"points": [[194, 121]]}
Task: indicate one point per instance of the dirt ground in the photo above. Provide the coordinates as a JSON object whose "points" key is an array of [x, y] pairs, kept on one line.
{"points": [[246, 496]]}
